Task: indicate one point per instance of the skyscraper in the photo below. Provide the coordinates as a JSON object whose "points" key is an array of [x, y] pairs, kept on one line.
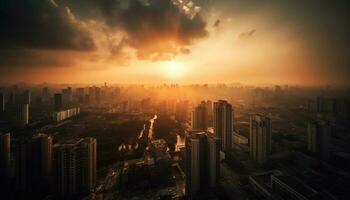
{"points": [[209, 105], [200, 117], [2, 102], [202, 162], [33, 163], [26, 97], [260, 138], [223, 123], [75, 166], [80, 94], [45, 95], [5, 149], [67, 96], [41, 150], [319, 139], [22, 115], [58, 102]]}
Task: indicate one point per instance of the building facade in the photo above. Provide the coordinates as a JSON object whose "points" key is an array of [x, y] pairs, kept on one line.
{"points": [[260, 138], [223, 123]]}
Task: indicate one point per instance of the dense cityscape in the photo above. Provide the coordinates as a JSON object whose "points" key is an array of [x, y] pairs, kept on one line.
{"points": [[174, 142], [174, 100]]}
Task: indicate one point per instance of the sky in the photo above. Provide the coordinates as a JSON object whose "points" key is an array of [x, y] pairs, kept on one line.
{"points": [[175, 41]]}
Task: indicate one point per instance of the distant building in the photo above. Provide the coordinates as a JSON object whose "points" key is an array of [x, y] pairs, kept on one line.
{"points": [[80, 95], [209, 105], [26, 97], [200, 117], [65, 114], [58, 102], [2, 102], [260, 138], [202, 163], [22, 115], [319, 139], [45, 95], [75, 167], [5, 150], [223, 123], [67, 96]]}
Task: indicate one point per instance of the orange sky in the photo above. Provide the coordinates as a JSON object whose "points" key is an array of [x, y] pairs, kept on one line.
{"points": [[247, 47]]}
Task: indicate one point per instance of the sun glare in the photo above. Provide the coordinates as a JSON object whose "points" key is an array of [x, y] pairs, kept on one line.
{"points": [[173, 69]]}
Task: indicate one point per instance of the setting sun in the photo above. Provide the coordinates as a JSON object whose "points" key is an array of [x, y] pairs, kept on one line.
{"points": [[173, 69]]}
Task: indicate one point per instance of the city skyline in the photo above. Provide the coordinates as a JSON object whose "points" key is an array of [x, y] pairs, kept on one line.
{"points": [[174, 99]]}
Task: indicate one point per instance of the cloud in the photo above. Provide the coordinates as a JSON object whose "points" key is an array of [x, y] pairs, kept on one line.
{"points": [[158, 29], [246, 34], [217, 23], [155, 29], [41, 24]]}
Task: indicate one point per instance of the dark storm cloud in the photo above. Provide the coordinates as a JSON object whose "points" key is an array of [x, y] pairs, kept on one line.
{"points": [[41, 24], [19, 57], [159, 30], [156, 29]]}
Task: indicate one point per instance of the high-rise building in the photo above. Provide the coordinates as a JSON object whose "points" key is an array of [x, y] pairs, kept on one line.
{"points": [[58, 101], [33, 163], [75, 167], [223, 123], [22, 115], [200, 117], [202, 162], [319, 139], [22, 165], [41, 150], [26, 97], [2, 102], [80, 94], [5, 149], [67, 96], [209, 105], [260, 138], [45, 95]]}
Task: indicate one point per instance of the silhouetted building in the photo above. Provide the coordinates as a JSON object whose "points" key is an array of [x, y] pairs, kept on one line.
{"points": [[58, 102], [5, 150], [41, 149], [66, 96], [33, 163], [75, 167], [202, 163], [223, 123], [200, 117], [22, 115], [209, 106], [26, 97], [260, 138], [45, 95], [319, 139], [80, 95], [2, 102]]}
